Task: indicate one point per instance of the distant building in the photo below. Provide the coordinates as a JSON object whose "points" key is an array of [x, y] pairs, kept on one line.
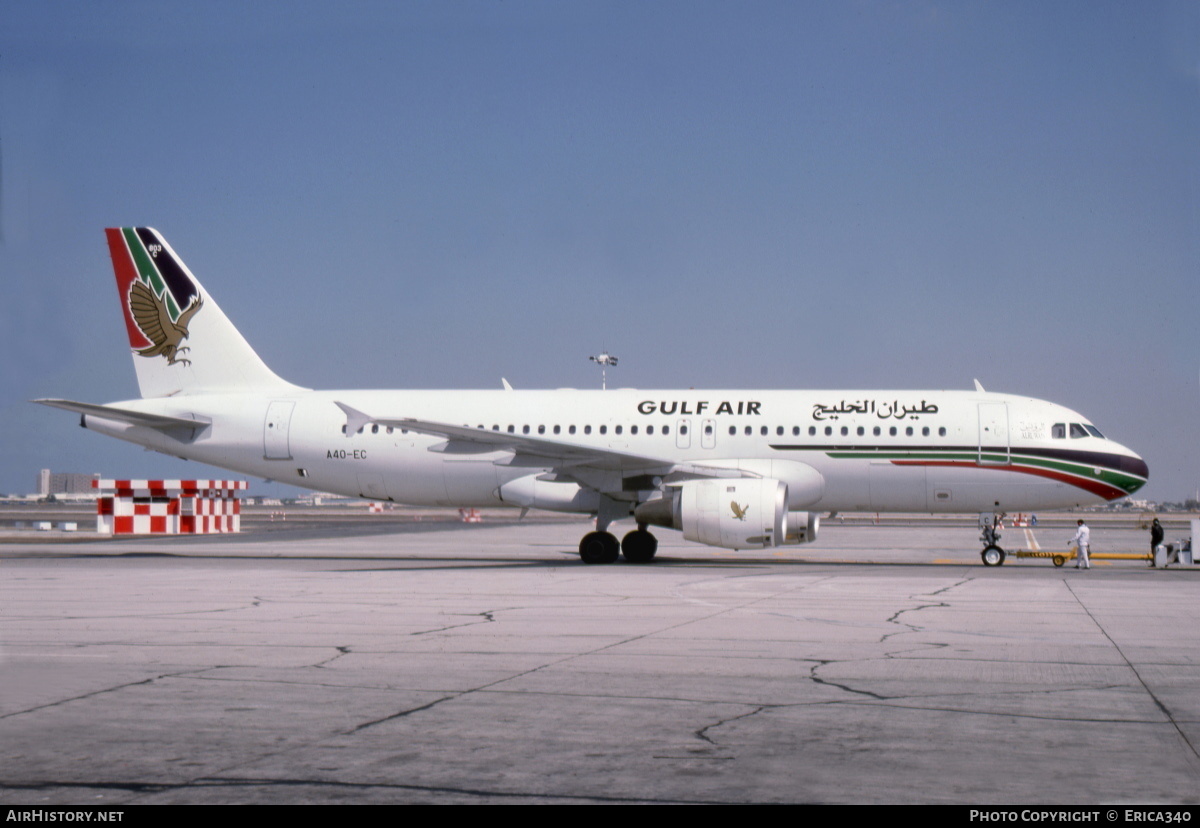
{"points": [[64, 483]]}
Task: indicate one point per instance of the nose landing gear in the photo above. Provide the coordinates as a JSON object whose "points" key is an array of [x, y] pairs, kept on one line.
{"points": [[989, 524]]}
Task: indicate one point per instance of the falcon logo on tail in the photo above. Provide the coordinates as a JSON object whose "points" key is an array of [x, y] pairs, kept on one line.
{"points": [[154, 320]]}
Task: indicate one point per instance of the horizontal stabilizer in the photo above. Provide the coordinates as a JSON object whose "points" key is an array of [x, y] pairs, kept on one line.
{"points": [[124, 415]]}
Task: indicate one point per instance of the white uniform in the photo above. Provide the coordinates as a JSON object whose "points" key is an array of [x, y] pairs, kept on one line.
{"points": [[1082, 541]]}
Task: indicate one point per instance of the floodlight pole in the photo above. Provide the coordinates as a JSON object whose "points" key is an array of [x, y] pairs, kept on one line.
{"points": [[604, 359]]}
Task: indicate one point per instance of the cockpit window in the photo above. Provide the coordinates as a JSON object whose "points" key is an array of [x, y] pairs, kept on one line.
{"points": [[1058, 431], [1077, 431], [1092, 430]]}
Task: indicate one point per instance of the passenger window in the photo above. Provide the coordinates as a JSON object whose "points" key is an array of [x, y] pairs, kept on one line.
{"points": [[618, 429], [845, 430], [763, 431], [1058, 431], [541, 429], [604, 429], [666, 429], [942, 431], [587, 429], [795, 431], [876, 431], [649, 429], [749, 431], [828, 430], [908, 431], [925, 431], [570, 429], [779, 431], [524, 429], [683, 429], [633, 429], [732, 430], [812, 431], [708, 429], [861, 431], [892, 431], [558, 429]]}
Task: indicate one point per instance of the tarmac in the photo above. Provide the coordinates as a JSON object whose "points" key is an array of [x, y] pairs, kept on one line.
{"points": [[439, 662]]}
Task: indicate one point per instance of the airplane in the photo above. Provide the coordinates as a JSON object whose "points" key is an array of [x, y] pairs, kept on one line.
{"points": [[733, 469]]}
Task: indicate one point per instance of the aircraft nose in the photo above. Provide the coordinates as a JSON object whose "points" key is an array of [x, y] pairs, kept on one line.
{"points": [[1132, 464]]}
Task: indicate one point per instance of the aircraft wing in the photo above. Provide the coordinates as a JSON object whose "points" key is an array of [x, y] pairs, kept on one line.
{"points": [[537, 451], [527, 449], [123, 415]]}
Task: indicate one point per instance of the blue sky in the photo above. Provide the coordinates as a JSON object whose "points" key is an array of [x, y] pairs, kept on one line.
{"points": [[752, 194]]}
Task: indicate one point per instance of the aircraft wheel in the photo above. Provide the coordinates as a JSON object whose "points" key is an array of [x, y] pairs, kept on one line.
{"points": [[992, 555], [599, 548], [639, 546]]}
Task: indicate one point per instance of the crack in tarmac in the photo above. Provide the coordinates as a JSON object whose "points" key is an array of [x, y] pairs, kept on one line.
{"points": [[573, 656], [812, 674], [217, 782], [104, 691], [1153, 697], [341, 651], [704, 734]]}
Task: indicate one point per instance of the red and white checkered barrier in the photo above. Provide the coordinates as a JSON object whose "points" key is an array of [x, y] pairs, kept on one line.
{"points": [[168, 507]]}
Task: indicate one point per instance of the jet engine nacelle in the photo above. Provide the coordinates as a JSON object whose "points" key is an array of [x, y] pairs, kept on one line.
{"points": [[732, 513]]}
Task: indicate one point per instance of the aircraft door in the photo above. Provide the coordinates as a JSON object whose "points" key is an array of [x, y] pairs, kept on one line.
{"points": [[683, 434], [994, 448], [276, 444]]}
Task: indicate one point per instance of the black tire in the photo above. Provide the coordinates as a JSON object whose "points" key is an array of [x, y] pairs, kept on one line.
{"points": [[639, 546], [599, 548], [1059, 560], [992, 555]]}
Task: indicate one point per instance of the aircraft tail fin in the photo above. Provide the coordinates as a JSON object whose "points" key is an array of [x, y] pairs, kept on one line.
{"points": [[182, 343]]}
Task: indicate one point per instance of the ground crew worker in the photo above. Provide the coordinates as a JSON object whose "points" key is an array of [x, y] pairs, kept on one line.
{"points": [[1082, 540], [1156, 538]]}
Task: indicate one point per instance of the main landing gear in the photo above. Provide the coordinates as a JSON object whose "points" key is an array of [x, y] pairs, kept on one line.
{"points": [[989, 525], [638, 546]]}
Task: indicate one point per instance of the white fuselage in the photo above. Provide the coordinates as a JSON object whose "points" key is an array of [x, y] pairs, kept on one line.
{"points": [[923, 451]]}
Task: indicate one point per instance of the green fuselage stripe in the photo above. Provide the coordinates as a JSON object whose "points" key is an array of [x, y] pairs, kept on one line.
{"points": [[1112, 477]]}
